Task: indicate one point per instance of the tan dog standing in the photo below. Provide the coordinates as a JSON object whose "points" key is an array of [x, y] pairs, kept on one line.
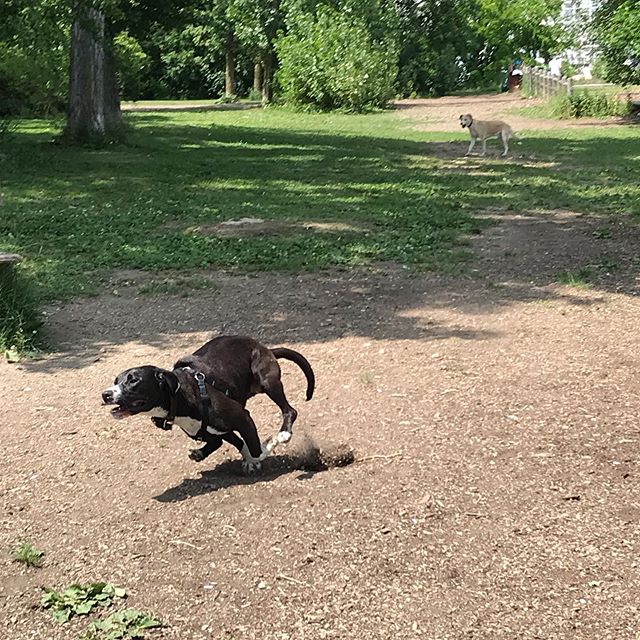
{"points": [[483, 129]]}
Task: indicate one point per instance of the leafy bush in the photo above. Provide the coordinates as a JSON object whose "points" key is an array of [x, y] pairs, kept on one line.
{"points": [[132, 65], [34, 57], [79, 599], [30, 84], [587, 104], [332, 62], [19, 319]]}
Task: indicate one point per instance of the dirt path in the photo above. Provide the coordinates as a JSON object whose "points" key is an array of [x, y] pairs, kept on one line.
{"points": [[441, 114], [495, 488]]}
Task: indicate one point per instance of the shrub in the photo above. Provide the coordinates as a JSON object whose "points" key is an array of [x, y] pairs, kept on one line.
{"points": [[132, 64], [332, 62], [588, 104]]}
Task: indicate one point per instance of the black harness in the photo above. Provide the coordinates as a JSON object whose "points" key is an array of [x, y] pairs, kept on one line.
{"points": [[205, 403]]}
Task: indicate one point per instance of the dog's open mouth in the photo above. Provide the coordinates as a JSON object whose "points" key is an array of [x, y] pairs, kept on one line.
{"points": [[120, 412]]}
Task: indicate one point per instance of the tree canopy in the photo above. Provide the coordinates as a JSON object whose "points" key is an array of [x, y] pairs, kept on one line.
{"points": [[617, 31], [206, 48]]}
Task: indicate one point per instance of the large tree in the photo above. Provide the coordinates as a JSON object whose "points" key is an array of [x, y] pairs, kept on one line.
{"points": [[617, 31], [94, 100], [256, 24], [508, 29]]}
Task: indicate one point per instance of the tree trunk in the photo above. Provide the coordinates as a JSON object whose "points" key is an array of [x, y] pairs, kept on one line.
{"points": [[230, 72], [94, 102], [267, 76], [257, 77]]}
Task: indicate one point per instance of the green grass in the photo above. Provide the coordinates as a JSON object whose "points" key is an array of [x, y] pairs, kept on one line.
{"points": [[19, 319], [373, 188], [580, 278], [28, 555]]}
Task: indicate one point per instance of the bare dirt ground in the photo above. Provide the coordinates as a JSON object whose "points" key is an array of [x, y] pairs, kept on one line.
{"points": [[494, 491], [441, 114]]}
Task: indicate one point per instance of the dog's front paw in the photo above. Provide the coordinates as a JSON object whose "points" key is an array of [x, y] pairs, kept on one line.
{"points": [[251, 466], [161, 423], [196, 455]]}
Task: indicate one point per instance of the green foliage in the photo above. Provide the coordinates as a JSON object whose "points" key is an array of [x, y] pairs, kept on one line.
{"points": [[331, 61], [435, 40], [177, 48], [129, 623], [588, 104], [27, 554], [79, 599], [132, 65], [617, 30], [508, 29], [567, 70], [598, 68], [19, 318], [373, 189], [33, 56]]}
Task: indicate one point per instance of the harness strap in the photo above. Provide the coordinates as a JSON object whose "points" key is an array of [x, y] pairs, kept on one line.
{"points": [[205, 401]]}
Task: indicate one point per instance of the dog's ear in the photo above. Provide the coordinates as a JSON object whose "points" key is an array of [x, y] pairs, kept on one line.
{"points": [[169, 379]]}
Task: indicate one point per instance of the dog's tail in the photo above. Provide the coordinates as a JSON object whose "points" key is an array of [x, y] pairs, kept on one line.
{"points": [[302, 362]]}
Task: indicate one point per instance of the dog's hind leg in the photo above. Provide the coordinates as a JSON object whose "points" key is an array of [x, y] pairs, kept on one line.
{"points": [[267, 371], [505, 142], [484, 147]]}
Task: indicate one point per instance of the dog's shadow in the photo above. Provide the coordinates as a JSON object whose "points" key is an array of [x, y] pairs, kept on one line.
{"points": [[229, 474]]}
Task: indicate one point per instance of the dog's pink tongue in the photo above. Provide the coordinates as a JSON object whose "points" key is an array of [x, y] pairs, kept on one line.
{"points": [[118, 413]]}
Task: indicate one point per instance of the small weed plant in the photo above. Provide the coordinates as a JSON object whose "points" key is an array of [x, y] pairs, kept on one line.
{"points": [[129, 623], [79, 599], [27, 554], [580, 278]]}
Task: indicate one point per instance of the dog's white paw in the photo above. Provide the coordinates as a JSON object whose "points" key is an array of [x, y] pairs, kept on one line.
{"points": [[283, 436]]}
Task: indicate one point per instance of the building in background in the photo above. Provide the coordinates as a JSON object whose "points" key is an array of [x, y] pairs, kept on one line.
{"points": [[576, 16]]}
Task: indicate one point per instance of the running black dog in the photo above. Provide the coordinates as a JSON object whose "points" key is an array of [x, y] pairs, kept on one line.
{"points": [[206, 393]]}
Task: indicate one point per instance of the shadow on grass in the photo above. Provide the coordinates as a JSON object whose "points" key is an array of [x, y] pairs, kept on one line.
{"points": [[147, 207]]}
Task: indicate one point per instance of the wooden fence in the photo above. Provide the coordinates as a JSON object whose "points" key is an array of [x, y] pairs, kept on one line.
{"points": [[542, 84]]}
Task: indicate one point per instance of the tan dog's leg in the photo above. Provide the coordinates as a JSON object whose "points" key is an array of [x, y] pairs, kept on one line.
{"points": [[505, 142], [484, 147], [471, 145]]}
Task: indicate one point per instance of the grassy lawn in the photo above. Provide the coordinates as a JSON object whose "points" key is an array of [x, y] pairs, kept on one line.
{"points": [[372, 188]]}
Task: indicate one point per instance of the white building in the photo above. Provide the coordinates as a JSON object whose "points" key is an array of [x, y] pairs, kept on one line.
{"points": [[576, 16]]}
